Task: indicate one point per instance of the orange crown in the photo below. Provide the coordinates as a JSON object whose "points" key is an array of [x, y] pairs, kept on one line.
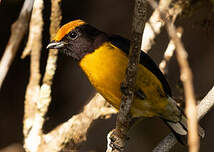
{"points": [[65, 29]]}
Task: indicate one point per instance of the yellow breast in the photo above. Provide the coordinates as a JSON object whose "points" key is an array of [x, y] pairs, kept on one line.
{"points": [[105, 68]]}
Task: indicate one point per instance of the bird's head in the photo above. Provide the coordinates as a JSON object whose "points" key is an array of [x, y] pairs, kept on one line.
{"points": [[77, 38]]}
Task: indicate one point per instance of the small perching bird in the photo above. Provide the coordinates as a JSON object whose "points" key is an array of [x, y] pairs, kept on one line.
{"points": [[104, 60]]}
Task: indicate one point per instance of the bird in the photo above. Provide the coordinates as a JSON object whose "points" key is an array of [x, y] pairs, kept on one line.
{"points": [[104, 59]]}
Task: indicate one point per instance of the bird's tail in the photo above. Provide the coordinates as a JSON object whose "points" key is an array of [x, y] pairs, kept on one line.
{"points": [[180, 129]]}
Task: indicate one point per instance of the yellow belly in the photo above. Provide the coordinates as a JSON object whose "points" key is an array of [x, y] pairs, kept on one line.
{"points": [[105, 68]]}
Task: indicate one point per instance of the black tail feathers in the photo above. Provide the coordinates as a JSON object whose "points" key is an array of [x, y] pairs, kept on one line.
{"points": [[179, 129]]}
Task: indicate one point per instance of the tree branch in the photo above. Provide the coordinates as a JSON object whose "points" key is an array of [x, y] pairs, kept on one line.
{"points": [[166, 144], [30, 129], [206, 104], [18, 30], [191, 112], [35, 30], [186, 78], [45, 90], [155, 23], [75, 129], [37, 102], [203, 108], [123, 123], [163, 66], [37, 99]]}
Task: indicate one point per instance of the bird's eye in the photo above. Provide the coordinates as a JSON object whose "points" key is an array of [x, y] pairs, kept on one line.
{"points": [[73, 35]]}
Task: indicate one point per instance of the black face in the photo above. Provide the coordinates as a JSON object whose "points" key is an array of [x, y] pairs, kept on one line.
{"points": [[80, 41]]}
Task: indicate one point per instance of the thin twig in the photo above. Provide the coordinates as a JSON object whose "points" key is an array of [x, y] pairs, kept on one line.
{"points": [[123, 123], [163, 66], [18, 30]]}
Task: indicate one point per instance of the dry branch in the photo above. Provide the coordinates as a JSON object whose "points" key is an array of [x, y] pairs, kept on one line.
{"points": [[45, 90], [37, 102], [119, 135], [186, 78], [30, 130], [75, 129], [38, 99], [163, 66], [18, 30], [203, 108], [166, 144], [35, 30], [206, 104], [155, 23]]}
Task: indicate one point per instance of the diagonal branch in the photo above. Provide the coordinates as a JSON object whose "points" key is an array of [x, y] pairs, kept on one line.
{"points": [[203, 108], [18, 30], [74, 130], [206, 104]]}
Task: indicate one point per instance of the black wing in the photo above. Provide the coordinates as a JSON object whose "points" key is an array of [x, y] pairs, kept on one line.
{"points": [[145, 60]]}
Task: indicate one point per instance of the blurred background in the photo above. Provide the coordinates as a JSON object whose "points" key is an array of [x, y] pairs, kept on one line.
{"points": [[71, 89]]}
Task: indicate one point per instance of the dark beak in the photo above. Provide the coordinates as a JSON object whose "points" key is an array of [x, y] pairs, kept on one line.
{"points": [[55, 45]]}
